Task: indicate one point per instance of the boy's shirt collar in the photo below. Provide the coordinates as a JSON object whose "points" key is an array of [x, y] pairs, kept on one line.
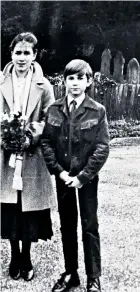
{"points": [[87, 103], [78, 100]]}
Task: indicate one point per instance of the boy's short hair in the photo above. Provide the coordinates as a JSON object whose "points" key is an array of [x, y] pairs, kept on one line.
{"points": [[78, 66]]}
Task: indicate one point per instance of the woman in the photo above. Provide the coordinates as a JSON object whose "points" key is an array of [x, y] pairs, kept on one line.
{"points": [[25, 215]]}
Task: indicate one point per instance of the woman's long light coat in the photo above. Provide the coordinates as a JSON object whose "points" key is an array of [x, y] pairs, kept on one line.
{"points": [[38, 190]]}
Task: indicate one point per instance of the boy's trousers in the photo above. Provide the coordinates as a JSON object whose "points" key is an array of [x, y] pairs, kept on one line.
{"points": [[67, 207]]}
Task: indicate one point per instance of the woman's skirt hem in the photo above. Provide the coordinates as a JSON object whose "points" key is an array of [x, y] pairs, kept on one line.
{"points": [[25, 226]]}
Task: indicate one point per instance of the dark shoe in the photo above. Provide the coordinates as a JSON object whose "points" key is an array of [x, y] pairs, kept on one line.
{"points": [[27, 272], [66, 282], [14, 268], [93, 285]]}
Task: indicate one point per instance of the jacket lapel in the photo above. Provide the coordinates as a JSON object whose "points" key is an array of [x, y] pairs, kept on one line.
{"points": [[88, 103], [64, 109], [79, 111], [7, 91], [62, 103]]}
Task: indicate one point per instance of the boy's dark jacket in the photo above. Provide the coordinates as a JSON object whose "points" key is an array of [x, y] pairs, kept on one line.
{"points": [[80, 147]]}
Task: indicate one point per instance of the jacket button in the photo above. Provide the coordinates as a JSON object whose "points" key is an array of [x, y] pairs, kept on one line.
{"points": [[66, 154]]}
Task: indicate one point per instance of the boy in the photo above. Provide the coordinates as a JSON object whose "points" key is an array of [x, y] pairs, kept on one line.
{"points": [[76, 145]]}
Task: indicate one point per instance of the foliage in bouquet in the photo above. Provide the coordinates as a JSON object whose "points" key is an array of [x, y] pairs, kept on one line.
{"points": [[15, 137], [123, 128]]}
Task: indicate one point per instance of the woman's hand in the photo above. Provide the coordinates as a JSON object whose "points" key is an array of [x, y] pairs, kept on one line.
{"points": [[35, 128], [26, 144]]}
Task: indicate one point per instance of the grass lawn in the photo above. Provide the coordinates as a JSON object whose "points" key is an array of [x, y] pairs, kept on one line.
{"points": [[119, 219]]}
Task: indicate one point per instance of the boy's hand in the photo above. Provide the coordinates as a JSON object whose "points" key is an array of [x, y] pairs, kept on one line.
{"points": [[73, 182], [64, 175]]}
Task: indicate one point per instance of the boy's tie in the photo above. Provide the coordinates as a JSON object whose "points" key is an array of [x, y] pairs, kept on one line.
{"points": [[72, 107]]}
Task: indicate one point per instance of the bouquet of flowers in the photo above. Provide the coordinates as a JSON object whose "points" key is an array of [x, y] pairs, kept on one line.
{"points": [[15, 139]]}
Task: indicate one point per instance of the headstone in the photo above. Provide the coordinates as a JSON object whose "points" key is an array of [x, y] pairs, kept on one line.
{"points": [[118, 67], [133, 71], [105, 62]]}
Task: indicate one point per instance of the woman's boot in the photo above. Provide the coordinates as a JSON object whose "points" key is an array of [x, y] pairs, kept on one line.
{"points": [[27, 272], [14, 267]]}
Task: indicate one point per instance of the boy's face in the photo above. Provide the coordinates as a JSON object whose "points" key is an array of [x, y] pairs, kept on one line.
{"points": [[76, 84]]}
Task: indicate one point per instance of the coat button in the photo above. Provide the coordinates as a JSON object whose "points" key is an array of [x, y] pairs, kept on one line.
{"points": [[66, 154]]}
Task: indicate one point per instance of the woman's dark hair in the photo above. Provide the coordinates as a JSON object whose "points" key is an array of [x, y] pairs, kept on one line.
{"points": [[78, 66], [27, 37]]}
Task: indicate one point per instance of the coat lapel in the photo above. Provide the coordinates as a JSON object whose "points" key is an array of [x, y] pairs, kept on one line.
{"points": [[7, 91], [34, 96], [36, 89]]}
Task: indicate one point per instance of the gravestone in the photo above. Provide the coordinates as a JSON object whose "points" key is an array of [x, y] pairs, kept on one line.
{"points": [[133, 71], [118, 67], [105, 62]]}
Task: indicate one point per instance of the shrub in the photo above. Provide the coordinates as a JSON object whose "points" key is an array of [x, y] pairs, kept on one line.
{"points": [[56, 79], [123, 128]]}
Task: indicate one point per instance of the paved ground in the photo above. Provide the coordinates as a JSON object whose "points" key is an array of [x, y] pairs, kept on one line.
{"points": [[119, 218]]}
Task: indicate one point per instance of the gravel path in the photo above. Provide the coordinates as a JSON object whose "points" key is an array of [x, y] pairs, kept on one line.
{"points": [[119, 218]]}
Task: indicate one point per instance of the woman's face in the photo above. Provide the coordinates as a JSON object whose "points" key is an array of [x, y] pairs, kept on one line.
{"points": [[22, 56]]}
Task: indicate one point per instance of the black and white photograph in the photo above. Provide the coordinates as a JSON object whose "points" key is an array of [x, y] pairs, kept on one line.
{"points": [[70, 146]]}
